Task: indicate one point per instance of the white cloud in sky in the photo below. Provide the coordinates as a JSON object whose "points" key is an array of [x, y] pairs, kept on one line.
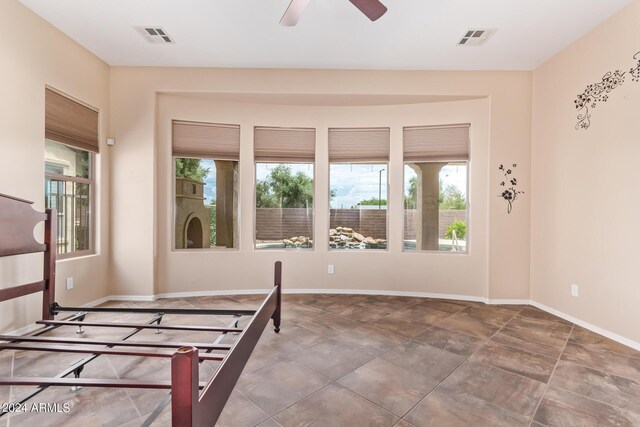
{"points": [[355, 182], [263, 170]]}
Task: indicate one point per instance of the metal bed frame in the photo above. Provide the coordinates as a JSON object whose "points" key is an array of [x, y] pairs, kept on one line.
{"points": [[192, 403]]}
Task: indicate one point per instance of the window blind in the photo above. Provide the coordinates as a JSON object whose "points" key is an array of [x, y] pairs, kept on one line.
{"points": [[70, 122], [429, 143], [272, 144], [206, 140], [359, 144]]}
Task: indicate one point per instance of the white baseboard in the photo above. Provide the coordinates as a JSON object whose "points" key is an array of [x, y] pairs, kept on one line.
{"points": [[598, 330], [97, 302], [136, 298], [212, 293], [593, 328], [508, 301]]}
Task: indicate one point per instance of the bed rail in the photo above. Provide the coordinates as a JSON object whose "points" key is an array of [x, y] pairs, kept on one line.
{"points": [[189, 407]]}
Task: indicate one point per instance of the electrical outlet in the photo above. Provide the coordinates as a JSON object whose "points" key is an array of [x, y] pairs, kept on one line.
{"points": [[574, 290], [331, 269], [69, 283]]}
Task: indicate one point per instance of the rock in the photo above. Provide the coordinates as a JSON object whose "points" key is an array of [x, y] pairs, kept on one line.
{"points": [[347, 230], [338, 229], [358, 237], [333, 232], [370, 241]]}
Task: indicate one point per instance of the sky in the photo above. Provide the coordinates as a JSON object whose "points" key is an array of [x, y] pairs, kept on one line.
{"points": [[352, 182], [209, 180]]}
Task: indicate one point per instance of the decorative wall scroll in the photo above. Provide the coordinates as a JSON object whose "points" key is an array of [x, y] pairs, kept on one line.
{"points": [[599, 92], [510, 194]]}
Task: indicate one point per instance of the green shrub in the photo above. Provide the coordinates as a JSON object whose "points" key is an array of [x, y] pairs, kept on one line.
{"points": [[460, 227]]}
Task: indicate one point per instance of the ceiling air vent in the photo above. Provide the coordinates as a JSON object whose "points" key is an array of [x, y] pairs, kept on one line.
{"points": [[476, 37], [156, 35]]}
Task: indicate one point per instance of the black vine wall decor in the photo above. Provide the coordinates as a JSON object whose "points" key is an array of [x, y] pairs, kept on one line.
{"points": [[510, 194], [599, 92]]}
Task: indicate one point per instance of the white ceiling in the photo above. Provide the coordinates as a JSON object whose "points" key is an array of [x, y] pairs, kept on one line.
{"points": [[414, 34]]}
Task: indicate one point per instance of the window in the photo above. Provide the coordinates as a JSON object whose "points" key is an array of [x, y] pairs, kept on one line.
{"points": [[206, 185], [71, 143], [435, 188], [68, 189], [284, 187], [358, 170]]}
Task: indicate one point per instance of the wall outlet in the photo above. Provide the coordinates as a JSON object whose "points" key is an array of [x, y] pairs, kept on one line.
{"points": [[331, 269], [574, 290], [69, 283]]}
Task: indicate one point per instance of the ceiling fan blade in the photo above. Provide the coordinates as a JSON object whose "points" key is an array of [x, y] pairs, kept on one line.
{"points": [[373, 9], [293, 13]]}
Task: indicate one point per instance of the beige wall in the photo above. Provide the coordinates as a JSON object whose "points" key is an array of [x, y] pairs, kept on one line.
{"points": [[498, 266], [251, 269], [580, 177], [34, 54]]}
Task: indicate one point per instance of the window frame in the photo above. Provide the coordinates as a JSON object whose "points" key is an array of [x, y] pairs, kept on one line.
{"points": [[385, 250], [90, 181], [255, 207], [173, 210], [467, 250]]}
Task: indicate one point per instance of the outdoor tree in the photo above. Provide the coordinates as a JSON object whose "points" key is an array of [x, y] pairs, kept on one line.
{"points": [[283, 189], [452, 198], [191, 168], [412, 194], [373, 202]]}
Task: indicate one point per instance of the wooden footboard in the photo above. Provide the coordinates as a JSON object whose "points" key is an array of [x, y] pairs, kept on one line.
{"points": [[189, 407]]}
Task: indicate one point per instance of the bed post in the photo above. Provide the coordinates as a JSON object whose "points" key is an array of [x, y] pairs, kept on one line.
{"points": [[277, 282], [50, 240], [185, 387]]}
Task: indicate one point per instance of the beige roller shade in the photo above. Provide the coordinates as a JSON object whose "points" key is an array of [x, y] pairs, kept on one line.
{"points": [[359, 144], [273, 144], [206, 140], [428, 143], [70, 122]]}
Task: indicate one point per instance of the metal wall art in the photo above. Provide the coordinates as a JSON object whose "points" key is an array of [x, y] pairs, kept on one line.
{"points": [[599, 92], [510, 182]]}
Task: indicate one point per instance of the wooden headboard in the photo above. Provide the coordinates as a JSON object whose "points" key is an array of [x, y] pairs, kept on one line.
{"points": [[17, 222]]}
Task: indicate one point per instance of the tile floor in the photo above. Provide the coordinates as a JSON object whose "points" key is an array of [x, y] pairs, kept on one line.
{"points": [[354, 360]]}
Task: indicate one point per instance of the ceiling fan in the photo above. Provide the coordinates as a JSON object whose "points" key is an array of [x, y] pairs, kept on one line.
{"points": [[373, 9]]}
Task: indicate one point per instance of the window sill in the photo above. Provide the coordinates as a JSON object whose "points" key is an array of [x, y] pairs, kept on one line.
{"points": [[76, 256], [200, 250]]}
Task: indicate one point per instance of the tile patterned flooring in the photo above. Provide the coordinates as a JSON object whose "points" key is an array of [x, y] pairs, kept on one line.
{"points": [[355, 360]]}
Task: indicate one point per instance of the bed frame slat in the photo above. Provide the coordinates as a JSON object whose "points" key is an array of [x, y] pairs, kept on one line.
{"points": [[141, 326], [87, 382], [18, 291], [114, 343], [101, 350]]}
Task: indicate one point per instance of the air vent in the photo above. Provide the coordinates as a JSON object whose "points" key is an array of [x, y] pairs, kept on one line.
{"points": [[476, 37], [156, 35]]}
